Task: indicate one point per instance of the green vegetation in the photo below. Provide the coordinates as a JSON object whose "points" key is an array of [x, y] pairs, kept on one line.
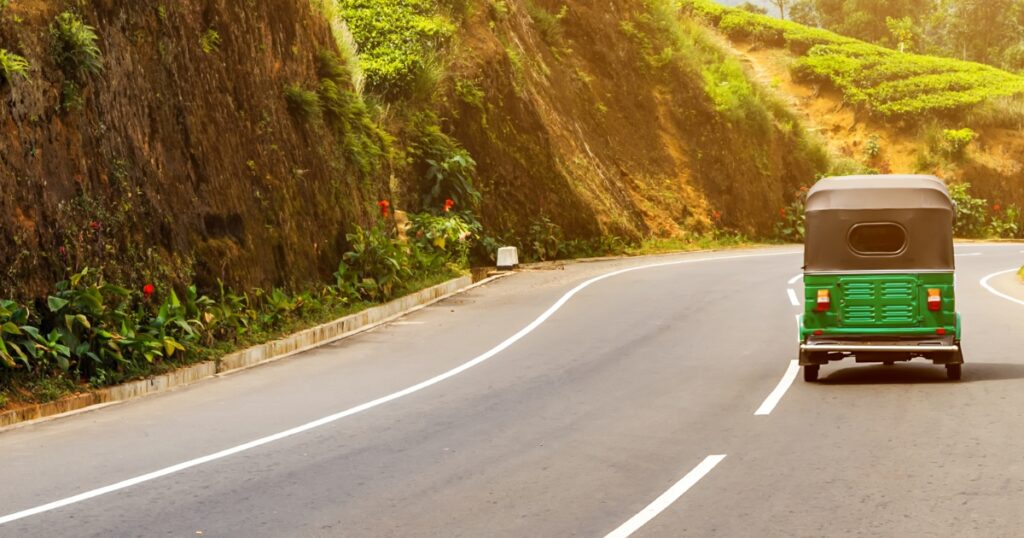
{"points": [[11, 66], [93, 331], [73, 45], [988, 31], [304, 104], [397, 40], [956, 141], [890, 84], [210, 41]]}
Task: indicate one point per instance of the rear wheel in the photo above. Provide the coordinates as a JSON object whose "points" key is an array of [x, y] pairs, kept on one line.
{"points": [[954, 371], [811, 373]]}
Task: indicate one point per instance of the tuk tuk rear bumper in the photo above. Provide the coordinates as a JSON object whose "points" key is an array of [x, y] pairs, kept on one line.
{"points": [[880, 348]]}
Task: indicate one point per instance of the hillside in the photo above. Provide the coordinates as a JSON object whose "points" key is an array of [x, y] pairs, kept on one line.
{"points": [[892, 111], [183, 179], [180, 158]]}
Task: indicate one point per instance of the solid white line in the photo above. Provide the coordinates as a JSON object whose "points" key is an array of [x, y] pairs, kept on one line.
{"points": [[780, 390], [794, 279], [666, 499], [792, 297], [985, 284], [366, 406], [970, 254]]}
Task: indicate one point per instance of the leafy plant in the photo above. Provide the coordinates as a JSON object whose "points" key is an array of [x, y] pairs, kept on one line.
{"points": [[450, 171], [790, 226], [12, 319], [956, 141], [873, 148], [11, 66], [395, 39], [210, 41], [304, 104], [377, 266], [545, 239], [971, 212], [74, 46], [441, 238]]}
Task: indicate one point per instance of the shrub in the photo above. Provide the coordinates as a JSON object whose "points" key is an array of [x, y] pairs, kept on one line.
{"points": [[955, 142], [441, 239], [395, 39], [74, 46], [11, 66], [365, 142], [302, 103], [971, 212], [448, 169], [376, 267]]}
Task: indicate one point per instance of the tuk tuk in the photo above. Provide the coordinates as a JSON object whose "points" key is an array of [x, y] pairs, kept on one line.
{"points": [[879, 273]]}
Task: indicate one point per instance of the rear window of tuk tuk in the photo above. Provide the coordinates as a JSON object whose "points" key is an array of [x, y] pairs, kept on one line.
{"points": [[877, 239]]}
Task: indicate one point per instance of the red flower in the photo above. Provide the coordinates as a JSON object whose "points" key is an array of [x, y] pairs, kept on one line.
{"points": [[997, 208], [384, 206], [95, 225], [782, 212], [717, 215], [148, 290], [448, 205]]}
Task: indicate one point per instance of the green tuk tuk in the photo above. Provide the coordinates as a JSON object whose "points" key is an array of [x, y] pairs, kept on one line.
{"points": [[879, 273]]}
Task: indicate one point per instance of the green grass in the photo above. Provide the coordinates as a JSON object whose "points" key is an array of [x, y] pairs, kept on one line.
{"points": [[887, 83], [11, 66]]}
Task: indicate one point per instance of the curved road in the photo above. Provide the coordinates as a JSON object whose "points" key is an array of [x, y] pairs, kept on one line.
{"points": [[628, 407]]}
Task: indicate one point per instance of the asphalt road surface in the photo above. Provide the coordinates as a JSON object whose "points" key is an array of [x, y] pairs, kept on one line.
{"points": [[655, 401]]}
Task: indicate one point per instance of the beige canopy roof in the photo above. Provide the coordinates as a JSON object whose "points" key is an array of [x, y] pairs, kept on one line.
{"points": [[919, 205], [879, 192]]}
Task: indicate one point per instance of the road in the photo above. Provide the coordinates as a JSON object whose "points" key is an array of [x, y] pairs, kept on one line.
{"points": [[612, 397]]}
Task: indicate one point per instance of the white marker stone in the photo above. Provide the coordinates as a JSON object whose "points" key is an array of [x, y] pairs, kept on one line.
{"points": [[508, 258]]}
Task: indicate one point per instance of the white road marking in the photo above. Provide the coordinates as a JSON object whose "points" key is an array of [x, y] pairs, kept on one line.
{"points": [[366, 406], [407, 323], [666, 499], [780, 390], [987, 286], [794, 279], [970, 254], [792, 297]]}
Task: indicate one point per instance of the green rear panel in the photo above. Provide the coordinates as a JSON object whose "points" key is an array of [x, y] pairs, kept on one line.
{"points": [[879, 304]]}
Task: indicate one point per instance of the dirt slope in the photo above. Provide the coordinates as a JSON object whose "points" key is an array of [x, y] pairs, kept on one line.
{"points": [[993, 165], [578, 127]]}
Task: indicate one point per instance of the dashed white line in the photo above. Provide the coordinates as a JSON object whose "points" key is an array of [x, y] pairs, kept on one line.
{"points": [[363, 407], [987, 286], [969, 254], [792, 297], [794, 279], [667, 499], [775, 397]]}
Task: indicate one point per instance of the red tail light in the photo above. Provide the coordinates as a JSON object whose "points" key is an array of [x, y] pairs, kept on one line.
{"points": [[934, 299], [824, 301]]}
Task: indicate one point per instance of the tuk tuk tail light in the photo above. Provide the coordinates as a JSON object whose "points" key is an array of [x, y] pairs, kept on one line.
{"points": [[934, 299], [824, 301]]}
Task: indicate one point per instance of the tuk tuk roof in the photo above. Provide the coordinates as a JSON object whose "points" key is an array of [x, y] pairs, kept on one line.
{"points": [[919, 206], [879, 192]]}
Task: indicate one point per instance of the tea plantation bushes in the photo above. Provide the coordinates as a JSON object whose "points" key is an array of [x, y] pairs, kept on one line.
{"points": [[890, 84]]}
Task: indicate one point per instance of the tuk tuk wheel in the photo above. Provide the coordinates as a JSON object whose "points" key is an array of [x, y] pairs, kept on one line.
{"points": [[954, 371], [811, 373]]}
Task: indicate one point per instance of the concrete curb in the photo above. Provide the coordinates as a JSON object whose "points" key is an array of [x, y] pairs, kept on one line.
{"points": [[261, 354]]}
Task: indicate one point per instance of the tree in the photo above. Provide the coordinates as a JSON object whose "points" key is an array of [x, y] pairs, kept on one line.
{"points": [[781, 4], [805, 12], [753, 8], [902, 31]]}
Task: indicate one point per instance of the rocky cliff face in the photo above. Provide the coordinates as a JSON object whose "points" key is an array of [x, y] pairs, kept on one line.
{"points": [[180, 161], [180, 157]]}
